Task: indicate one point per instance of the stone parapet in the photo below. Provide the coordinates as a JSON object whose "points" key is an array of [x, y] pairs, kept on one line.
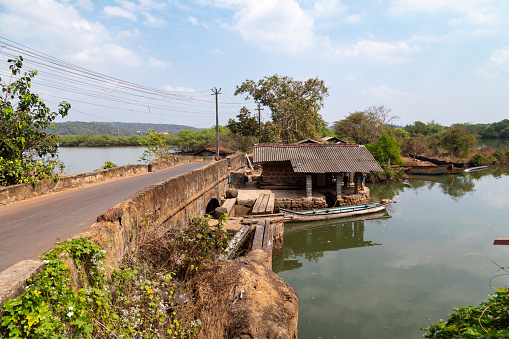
{"points": [[300, 203]]}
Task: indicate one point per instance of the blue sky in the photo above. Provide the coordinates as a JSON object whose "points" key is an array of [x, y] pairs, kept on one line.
{"points": [[441, 60]]}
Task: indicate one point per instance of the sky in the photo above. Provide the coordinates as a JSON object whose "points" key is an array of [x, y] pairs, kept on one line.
{"points": [[427, 60]]}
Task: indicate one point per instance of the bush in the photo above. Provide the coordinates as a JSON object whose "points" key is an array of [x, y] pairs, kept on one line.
{"points": [[478, 160]]}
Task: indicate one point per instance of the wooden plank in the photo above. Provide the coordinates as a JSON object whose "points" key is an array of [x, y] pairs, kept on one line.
{"points": [[229, 204], [258, 237], [237, 242], [263, 205], [267, 236], [256, 207], [270, 204], [501, 242]]}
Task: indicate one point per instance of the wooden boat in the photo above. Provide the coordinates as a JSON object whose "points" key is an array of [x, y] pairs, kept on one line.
{"points": [[474, 169], [430, 170], [334, 212]]}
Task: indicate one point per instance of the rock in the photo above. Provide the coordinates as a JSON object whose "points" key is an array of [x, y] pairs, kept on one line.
{"points": [[218, 211], [232, 194]]}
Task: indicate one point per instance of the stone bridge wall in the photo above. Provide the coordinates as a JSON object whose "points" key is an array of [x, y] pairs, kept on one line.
{"points": [[23, 191], [172, 203]]}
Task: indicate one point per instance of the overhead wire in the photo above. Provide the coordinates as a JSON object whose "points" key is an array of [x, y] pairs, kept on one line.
{"points": [[60, 75]]}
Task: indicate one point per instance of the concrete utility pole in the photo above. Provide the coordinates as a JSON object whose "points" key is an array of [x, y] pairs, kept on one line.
{"points": [[216, 92], [259, 122]]}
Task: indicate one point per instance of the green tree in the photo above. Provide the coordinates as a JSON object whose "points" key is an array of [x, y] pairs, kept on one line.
{"points": [[366, 126], [27, 151], [385, 150], [158, 147], [247, 124], [294, 105], [458, 140]]}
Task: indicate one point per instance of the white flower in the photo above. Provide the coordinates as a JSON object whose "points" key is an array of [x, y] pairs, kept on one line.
{"points": [[70, 308], [70, 314], [46, 261]]}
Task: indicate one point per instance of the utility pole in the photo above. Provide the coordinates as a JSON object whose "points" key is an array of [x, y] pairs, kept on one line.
{"points": [[216, 92], [259, 122]]}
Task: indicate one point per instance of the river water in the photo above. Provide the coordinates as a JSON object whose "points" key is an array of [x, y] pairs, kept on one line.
{"points": [[88, 159], [386, 278]]}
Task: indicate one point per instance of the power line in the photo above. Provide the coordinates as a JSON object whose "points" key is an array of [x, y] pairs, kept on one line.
{"points": [[100, 90]]}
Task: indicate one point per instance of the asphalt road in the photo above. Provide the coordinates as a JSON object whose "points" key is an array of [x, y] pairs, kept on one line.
{"points": [[31, 227]]}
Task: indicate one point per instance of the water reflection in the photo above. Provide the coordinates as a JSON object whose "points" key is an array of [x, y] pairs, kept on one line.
{"points": [[312, 240], [386, 278]]}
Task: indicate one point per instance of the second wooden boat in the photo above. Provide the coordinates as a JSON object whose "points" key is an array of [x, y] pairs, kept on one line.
{"points": [[430, 170]]}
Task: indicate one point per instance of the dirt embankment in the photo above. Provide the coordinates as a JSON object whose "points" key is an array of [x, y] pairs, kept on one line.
{"points": [[243, 299]]}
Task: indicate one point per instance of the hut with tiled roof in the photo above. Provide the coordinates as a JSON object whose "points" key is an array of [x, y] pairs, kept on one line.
{"points": [[313, 165], [211, 151]]}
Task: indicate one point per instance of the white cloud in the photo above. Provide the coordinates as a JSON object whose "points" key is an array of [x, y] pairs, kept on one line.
{"points": [[497, 67], [178, 89], [397, 52], [119, 12], [384, 92], [274, 24], [85, 4], [353, 19], [152, 62], [329, 7], [66, 32], [192, 20], [470, 12], [107, 53], [132, 11]]}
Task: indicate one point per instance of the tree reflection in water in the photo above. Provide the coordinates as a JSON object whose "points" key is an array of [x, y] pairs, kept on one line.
{"points": [[319, 238]]}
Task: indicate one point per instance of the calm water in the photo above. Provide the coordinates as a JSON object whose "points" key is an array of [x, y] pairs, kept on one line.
{"points": [[87, 159], [386, 278]]}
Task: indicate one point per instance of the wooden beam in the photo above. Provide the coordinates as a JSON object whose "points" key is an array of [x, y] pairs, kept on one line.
{"points": [[503, 241]]}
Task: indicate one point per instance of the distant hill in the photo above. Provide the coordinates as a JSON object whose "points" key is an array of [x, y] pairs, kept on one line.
{"points": [[114, 128]]}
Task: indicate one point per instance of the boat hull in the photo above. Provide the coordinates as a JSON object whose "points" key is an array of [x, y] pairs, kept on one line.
{"points": [[334, 213], [475, 169], [429, 170]]}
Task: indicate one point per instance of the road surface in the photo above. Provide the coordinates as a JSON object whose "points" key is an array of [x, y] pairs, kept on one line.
{"points": [[31, 227]]}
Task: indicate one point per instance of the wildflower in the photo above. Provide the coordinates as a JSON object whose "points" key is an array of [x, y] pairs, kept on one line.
{"points": [[37, 293], [70, 308], [70, 314], [150, 291], [46, 261]]}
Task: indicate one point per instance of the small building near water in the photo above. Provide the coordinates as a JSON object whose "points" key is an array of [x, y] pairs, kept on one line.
{"points": [[315, 166], [211, 151]]}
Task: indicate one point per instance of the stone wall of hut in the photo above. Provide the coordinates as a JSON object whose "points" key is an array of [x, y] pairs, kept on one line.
{"points": [[281, 173]]}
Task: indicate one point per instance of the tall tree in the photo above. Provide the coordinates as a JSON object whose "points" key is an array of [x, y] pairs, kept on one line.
{"points": [[458, 140], [27, 151], [365, 126], [294, 105]]}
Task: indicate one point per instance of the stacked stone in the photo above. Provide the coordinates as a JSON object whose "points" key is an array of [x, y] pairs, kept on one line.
{"points": [[300, 203], [356, 199]]}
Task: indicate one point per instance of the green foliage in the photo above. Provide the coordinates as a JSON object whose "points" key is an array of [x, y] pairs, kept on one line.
{"points": [[104, 140], [479, 160], [107, 164], [193, 141], [488, 320], [132, 303], [458, 140], [364, 127], [386, 150], [294, 105], [114, 128], [389, 174], [420, 128], [247, 124], [158, 147], [489, 133], [27, 152]]}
